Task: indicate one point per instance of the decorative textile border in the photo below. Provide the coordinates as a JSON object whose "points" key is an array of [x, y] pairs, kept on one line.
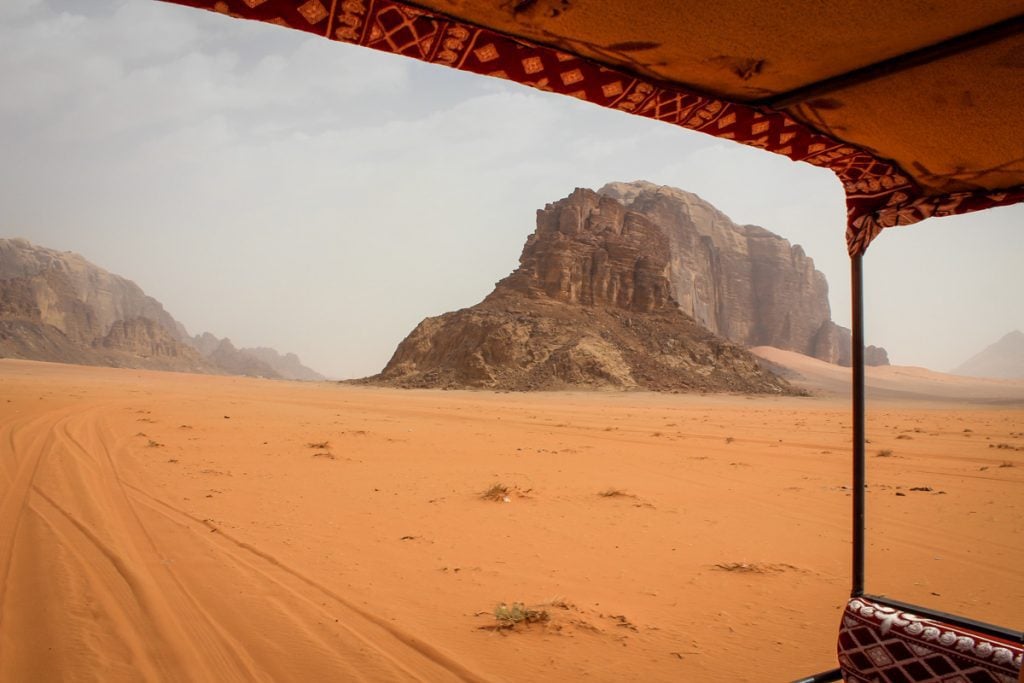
{"points": [[881, 643], [878, 193]]}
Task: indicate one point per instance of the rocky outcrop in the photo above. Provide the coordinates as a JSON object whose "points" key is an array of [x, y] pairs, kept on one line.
{"points": [[57, 306], [287, 366], [591, 305], [741, 281], [234, 362], [147, 338], [65, 291], [1001, 360], [545, 345], [834, 344]]}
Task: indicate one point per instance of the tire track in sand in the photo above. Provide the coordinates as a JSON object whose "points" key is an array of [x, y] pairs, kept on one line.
{"points": [[428, 656], [252, 557], [190, 644], [15, 499], [102, 566]]}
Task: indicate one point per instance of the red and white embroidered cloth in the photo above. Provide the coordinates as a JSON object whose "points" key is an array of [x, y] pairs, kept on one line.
{"points": [[881, 644]]}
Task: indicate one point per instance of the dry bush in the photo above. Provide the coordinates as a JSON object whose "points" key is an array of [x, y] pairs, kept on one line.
{"points": [[497, 492], [510, 616]]}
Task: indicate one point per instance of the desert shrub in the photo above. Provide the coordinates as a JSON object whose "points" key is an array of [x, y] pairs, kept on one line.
{"points": [[509, 616]]}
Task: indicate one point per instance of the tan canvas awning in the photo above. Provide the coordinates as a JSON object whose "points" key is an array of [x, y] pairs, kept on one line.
{"points": [[915, 105]]}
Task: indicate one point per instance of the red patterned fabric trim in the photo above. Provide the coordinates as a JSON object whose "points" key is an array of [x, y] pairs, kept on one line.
{"points": [[880, 644], [877, 192], [861, 229]]}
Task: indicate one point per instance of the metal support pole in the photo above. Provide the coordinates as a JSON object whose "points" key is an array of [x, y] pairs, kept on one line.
{"points": [[859, 480], [823, 677]]}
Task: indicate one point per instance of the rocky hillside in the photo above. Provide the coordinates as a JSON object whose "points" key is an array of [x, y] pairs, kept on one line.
{"points": [[287, 366], [591, 304], [1002, 360], [741, 281], [57, 306]]}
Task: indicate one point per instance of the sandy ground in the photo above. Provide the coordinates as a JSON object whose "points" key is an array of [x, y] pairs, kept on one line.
{"points": [[174, 527], [892, 382]]}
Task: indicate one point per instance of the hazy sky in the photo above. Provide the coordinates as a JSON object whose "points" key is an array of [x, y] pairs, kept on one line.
{"points": [[287, 191]]}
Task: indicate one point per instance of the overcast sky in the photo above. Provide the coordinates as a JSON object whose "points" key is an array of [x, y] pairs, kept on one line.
{"points": [[283, 190]]}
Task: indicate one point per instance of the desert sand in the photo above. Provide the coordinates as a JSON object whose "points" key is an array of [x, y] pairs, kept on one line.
{"points": [[158, 526]]}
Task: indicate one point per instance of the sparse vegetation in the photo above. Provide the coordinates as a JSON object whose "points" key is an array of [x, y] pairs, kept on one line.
{"points": [[324, 454], [510, 616], [885, 453], [503, 493], [320, 445], [612, 493], [729, 439], [1007, 463], [497, 492], [754, 567], [154, 444]]}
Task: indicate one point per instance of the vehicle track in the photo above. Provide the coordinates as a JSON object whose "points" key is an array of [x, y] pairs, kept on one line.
{"points": [[92, 565]]}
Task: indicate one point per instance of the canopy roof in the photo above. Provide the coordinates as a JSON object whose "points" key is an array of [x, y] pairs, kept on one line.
{"points": [[916, 106]]}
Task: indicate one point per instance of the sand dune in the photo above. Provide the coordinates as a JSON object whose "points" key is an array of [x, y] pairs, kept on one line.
{"points": [[891, 382], [158, 526]]}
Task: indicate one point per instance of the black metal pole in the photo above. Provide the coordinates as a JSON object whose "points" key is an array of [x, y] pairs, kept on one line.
{"points": [[857, 364], [823, 677]]}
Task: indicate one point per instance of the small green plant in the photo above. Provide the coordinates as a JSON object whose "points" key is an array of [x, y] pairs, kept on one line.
{"points": [[509, 616]]}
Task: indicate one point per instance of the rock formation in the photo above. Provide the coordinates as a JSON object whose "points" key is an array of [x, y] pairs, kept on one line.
{"points": [[287, 366], [741, 281], [57, 306], [63, 290], [591, 304], [1002, 360]]}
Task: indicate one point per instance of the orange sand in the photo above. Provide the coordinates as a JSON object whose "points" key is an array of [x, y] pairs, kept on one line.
{"points": [[175, 527]]}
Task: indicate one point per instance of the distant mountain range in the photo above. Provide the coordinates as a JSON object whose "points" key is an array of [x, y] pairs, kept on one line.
{"points": [[57, 306], [1002, 360]]}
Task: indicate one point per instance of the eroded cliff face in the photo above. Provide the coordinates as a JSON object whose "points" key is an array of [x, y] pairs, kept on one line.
{"points": [[57, 306], [65, 291], [588, 250], [740, 281], [591, 305]]}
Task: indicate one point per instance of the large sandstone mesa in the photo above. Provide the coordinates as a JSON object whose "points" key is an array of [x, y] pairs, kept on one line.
{"points": [[591, 304], [57, 306], [742, 282]]}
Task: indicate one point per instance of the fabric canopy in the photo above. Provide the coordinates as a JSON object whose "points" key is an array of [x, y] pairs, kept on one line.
{"points": [[916, 106]]}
